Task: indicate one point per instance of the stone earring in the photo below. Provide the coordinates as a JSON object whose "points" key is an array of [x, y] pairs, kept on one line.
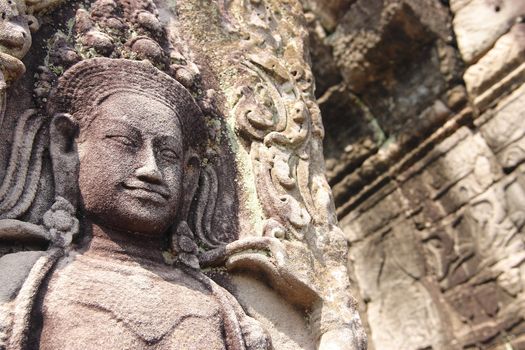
{"points": [[184, 247], [61, 223]]}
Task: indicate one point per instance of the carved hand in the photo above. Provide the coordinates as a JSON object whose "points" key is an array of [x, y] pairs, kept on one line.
{"points": [[266, 255]]}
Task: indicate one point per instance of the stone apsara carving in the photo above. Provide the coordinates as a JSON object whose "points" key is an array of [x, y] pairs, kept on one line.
{"points": [[137, 170], [76, 236]]}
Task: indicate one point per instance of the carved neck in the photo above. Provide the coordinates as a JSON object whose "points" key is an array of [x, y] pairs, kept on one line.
{"points": [[124, 246]]}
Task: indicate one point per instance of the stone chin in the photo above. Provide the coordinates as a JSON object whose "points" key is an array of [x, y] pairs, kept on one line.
{"points": [[135, 216]]}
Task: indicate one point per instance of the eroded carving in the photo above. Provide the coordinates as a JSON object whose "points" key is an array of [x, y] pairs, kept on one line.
{"points": [[276, 116], [15, 37], [478, 259], [137, 173]]}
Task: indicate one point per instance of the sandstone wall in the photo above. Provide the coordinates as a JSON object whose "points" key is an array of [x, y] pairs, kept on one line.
{"points": [[423, 106]]}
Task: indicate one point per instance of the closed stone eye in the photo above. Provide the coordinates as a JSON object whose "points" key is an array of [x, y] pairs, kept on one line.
{"points": [[169, 155], [124, 140]]}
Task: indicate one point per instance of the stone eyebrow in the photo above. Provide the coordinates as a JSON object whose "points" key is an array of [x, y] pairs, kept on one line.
{"points": [[119, 124], [160, 139]]}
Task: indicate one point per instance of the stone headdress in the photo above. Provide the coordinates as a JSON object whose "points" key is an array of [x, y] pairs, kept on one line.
{"points": [[83, 87]]}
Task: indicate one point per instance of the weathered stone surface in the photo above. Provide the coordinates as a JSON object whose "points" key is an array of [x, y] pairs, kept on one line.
{"points": [[370, 168], [478, 24], [375, 215], [400, 82], [371, 30], [389, 267], [351, 125], [510, 82], [162, 174], [507, 54], [325, 70], [506, 121], [428, 173], [427, 169], [447, 234], [328, 11]]}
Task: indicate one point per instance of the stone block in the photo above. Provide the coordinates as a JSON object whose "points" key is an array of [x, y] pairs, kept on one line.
{"points": [[374, 37], [449, 251], [512, 155], [418, 193], [507, 54], [469, 187], [495, 221], [506, 124], [477, 257], [374, 214], [479, 23], [455, 5], [396, 56], [514, 199], [400, 309], [458, 169], [492, 218], [438, 151], [510, 82], [324, 69], [464, 158]]}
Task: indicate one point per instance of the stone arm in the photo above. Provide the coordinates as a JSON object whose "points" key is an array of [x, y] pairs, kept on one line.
{"points": [[343, 338], [59, 227], [268, 256], [15, 267], [21, 275]]}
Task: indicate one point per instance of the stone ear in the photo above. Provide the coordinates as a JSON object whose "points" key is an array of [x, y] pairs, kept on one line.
{"points": [[192, 165], [64, 156]]}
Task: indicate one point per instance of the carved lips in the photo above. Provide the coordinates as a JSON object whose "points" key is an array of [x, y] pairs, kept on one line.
{"points": [[144, 190]]}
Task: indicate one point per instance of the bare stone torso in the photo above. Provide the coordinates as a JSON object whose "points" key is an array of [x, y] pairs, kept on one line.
{"points": [[101, 303]]}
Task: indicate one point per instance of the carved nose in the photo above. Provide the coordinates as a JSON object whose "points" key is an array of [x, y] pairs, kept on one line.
{"points": [[149, 171]]}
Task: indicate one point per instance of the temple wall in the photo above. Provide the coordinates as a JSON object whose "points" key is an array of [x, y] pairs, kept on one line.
{"points": [[423, 106]]}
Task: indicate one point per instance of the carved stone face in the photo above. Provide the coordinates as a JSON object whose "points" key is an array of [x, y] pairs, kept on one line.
{"points": [[131, 164]]}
